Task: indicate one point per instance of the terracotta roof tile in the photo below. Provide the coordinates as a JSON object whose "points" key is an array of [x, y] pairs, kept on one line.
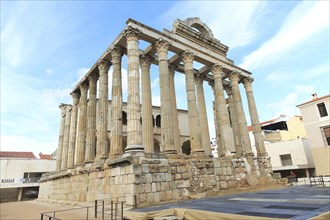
{"points": [[15, 154], [45, 156]]}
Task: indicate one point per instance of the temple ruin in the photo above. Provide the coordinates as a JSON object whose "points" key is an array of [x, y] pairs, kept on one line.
{"points": [[133, 151]]}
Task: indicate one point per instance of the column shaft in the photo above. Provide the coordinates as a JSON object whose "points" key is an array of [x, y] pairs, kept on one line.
{"points": [[102, 144], [241, 120], [257, 132], [81, 136], [194, 128], [225, 141], [234, 122], [66, 137], [73, 129], [91, 119], [60, 138], [116, 105], [147, 128], [165, 98], [176, 131], [134, 133], [206, 143]]}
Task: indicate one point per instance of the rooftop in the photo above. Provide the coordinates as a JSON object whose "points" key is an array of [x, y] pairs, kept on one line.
{"points": [[16, 154]]}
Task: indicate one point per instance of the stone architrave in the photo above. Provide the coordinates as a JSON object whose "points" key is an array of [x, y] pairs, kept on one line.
{"points": [[165, 98], [206, 143], [257, 132], [234, 123], [73, 129], [116, 139], [102, 143], [81, 136], [66, 137], [60, 138], [134, 133], [176, 130], [195, 142], [91, 119], [226, 137], [147, 128], [241, 120]]}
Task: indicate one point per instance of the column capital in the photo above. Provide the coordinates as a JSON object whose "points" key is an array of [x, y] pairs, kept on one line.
{"points": [[247, 83], [145, 60], [75, 97], [93, 77], [233, 77], [187, 56], [199, 79], [171, 70], [116, 52], [228, 90], [83, 87], [104, 65], [161, 45], [217, 70], [132, 33], [62, 107]]}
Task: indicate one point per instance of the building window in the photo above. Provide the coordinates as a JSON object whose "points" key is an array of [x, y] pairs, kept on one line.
{"points": [[326, 135], [286, 159], [322, 109]]}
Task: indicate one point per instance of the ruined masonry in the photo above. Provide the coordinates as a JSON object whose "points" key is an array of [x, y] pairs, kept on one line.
{"points": [[108, 148]]}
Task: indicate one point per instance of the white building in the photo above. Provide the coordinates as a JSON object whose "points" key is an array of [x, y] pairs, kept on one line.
{"points": [[20, 173]]}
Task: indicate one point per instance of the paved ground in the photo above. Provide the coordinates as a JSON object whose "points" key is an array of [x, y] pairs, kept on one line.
{"points": [[297, 202]]}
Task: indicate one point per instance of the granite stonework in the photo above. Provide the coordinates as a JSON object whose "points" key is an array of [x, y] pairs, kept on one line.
{"points": [[144, 181]]}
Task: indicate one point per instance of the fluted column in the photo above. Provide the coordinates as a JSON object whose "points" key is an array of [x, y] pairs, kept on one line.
{"points": [[147, 128], [234, 123], [60, 138], [216, 125], [206, 143], [134, 133], [226, 138], [165, 98], [91, 119], [80, 146], [257, 132], [73, 129], [195, 143], [241, 120], [102, 123], [116, 104], [66, 137], [176, 131]]}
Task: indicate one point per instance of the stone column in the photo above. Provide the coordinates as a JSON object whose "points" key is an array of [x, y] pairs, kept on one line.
{"points": [[257, 132], [66, 137], [102, 124], [176, 131], [225, 137], [91, 119], [206, 143], [73, 129], [60, 138], [241, 120], [195, 143], [165, 98], [134, 134], [147, 128], [80, 146], [116, 141], [234, 123], [216, 125]]}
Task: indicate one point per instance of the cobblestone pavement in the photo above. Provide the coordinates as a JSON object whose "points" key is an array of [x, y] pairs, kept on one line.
{"points": [[295, 202]]}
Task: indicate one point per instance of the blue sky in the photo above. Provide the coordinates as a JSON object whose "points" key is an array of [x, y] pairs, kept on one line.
{"points": [[47, 46]]}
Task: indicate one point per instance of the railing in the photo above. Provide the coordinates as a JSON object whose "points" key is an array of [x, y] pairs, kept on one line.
{"points": [[21, 180], [319, 180], [116, 210]]}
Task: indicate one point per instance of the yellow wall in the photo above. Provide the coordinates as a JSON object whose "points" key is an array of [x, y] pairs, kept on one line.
{"points": [[321, 156], [295, 129]]}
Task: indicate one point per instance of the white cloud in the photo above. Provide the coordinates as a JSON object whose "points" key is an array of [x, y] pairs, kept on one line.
{"points": [[234, 23], [305, 20], [81, 72]]}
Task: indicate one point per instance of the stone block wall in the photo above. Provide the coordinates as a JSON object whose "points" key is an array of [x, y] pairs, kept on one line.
{"points": [[141, 181]]}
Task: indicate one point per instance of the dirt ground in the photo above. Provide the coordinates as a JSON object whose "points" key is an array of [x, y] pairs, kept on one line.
{"points": [[27, 210]]}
